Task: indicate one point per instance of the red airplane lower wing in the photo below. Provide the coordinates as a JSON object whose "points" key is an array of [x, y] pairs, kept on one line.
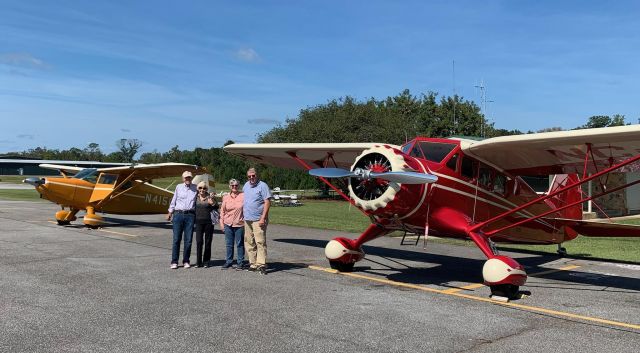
{"points": [[600, 229]]}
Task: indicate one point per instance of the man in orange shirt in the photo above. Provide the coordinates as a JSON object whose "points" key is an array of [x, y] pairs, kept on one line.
{"points": [[232, 221]]}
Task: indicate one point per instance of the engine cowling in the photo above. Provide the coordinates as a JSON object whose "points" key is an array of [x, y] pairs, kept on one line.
{"points": [[380, 196]]}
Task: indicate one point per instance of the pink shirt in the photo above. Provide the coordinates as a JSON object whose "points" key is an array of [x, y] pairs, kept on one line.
{"points": [[231, 210]]}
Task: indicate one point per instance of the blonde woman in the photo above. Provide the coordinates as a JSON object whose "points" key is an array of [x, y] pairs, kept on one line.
{"points": [[232, 221]]}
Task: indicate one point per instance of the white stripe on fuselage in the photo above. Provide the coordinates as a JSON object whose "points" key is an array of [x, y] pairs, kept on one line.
{"points": [[90, 188], [522, 213], [483, 191], [424, 195]]}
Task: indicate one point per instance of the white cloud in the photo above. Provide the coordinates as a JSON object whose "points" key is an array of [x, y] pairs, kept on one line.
{"points": [[247, 54], [22, 60]]}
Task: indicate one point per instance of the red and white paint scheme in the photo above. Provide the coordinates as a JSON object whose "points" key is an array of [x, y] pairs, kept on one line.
{"points": [[467, 189]]}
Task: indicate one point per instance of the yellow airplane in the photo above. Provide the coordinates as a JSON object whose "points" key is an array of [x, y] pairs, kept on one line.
{"points": [[116, 190]]}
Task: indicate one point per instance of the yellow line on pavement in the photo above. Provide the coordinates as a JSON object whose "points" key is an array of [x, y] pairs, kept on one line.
{"points": [[566, 268], [486, 300], [467, 287]]}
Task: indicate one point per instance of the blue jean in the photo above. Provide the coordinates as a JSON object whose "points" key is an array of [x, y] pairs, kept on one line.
{"points": [[234, 235], [182, 223]]}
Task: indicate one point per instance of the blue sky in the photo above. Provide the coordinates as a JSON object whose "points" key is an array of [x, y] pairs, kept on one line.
{"points": [[198, 73]]}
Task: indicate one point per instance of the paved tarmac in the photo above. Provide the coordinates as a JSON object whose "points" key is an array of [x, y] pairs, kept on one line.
{"points": [[71, 289], [14, 186]]}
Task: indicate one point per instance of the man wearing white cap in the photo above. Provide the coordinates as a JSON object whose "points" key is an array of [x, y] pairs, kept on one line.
{"points": [[182, 212]]}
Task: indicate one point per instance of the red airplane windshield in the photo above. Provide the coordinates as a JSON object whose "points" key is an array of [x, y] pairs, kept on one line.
{"points": [[432, 151]]}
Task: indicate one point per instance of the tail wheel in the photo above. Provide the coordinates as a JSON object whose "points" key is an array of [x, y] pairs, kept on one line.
{"points": [[374, 194]]}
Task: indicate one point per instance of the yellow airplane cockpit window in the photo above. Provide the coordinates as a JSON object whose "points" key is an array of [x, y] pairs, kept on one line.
{"points": [[107, 179], [87, 174]]}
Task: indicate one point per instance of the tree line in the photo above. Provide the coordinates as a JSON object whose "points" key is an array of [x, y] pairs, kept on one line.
{"points": [[393, 120]]}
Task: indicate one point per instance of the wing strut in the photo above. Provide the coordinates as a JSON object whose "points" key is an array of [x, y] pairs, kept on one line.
{"points": [[115, 188], [552, 194]]}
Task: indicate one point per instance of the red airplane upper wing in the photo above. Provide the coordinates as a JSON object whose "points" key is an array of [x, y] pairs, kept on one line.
{"points": [[313, 154], [560, 152]]}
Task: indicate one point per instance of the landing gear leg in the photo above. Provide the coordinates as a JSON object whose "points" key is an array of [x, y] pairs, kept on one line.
{"points": [[561, 251], [502, 274]]}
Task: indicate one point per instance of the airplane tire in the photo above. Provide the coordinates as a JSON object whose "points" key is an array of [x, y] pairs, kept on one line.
{"points": [[341, 266], [505, 290], [63, 223], [562, 252]]}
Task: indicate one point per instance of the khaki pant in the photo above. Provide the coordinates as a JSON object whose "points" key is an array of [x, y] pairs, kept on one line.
{"points": [[255, 242]]}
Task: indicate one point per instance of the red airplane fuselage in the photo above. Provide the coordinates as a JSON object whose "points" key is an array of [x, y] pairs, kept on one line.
{"points": [[467, 192]]}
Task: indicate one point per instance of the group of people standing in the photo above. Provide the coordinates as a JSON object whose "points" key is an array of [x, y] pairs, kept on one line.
{"points": [[242, 215]]}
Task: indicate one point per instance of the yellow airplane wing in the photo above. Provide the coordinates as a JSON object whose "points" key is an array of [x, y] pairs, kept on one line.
{"points": [[560, 152], [154, 171], [63, 169]]}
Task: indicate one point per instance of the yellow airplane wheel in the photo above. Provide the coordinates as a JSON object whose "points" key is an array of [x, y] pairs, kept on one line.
{"points": [[65, 217], [92, 220]]}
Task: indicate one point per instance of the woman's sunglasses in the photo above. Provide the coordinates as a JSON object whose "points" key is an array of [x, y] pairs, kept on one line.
{"points": [[234, 185], [201, 188]]}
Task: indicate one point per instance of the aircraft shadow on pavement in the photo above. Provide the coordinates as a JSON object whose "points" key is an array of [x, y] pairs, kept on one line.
{"points": [[459, 269], [111, 222]]}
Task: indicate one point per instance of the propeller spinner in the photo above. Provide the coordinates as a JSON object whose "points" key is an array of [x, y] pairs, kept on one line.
{"points": [[34, 181]]}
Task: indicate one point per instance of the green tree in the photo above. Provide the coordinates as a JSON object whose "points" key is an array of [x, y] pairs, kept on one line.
{"points": [[392, 120], [93, 152], [603, 121], [128, 148]]}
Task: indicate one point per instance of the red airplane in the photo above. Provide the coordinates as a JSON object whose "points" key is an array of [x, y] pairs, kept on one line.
{"points": [[464, 188]]}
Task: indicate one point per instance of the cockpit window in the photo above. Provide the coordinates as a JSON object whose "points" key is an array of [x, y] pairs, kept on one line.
{"points": [[107, 179], [87, 174], [436, 151], [452, 163], [416, 152], [467, 167], [484, 176]]}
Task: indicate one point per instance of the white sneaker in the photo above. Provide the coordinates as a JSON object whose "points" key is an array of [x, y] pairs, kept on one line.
{"points": [[186, 265], [174, 266]]}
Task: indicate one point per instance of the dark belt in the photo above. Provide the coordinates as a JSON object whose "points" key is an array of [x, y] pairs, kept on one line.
{"points": [[188, 212]]}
